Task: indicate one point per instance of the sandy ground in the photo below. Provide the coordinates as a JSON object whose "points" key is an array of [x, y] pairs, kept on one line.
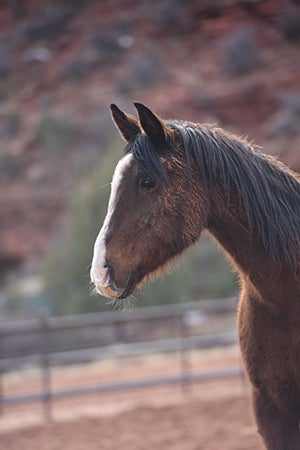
{"points": [[205, 416], [195, 424]]}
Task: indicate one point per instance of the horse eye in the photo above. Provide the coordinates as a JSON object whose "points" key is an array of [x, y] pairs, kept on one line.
{"points": [[146, 184]]}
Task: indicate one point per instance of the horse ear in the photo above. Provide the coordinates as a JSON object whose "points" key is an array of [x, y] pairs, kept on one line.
{"points": [[127, 125], [152, 125]]}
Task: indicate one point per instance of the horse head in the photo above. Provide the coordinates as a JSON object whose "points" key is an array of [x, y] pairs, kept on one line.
{"points": [[156, 207]]}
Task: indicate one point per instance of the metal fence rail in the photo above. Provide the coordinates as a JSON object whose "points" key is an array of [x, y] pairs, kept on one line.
{"points": [[128, 385], [49, 355]]}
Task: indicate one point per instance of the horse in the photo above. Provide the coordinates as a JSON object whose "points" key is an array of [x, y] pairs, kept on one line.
{"points": [[176, 179]]}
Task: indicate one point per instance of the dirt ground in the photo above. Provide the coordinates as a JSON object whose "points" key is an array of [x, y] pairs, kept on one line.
{"points": [[191, 425], [204, 416]]}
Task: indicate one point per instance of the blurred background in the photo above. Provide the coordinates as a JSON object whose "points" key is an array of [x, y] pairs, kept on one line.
{"points": [[234, 63]]}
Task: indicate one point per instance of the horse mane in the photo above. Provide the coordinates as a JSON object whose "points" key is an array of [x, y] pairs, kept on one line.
{"points": [[267, 190]]}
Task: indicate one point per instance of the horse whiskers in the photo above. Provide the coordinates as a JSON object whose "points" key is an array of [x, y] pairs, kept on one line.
{"points": [[88, 268], [93, 290], [132, 301], [115, 303], [104, 186], [123, 304]]}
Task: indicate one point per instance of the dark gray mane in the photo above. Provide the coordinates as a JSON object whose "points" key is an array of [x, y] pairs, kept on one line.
{"points": [[266, 189]]}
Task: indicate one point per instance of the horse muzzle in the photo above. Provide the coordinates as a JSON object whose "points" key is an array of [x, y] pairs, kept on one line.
{"points": [[102, 279], [104, 283]]}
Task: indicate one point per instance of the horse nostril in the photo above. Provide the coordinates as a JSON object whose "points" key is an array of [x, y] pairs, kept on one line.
{"points": [[110, 273]]}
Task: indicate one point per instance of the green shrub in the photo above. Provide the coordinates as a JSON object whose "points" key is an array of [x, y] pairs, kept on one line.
{"points": [[68, 262]]}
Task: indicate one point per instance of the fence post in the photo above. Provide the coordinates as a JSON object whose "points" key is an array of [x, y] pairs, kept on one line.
{"points": [[45, 367], [184, 356]]}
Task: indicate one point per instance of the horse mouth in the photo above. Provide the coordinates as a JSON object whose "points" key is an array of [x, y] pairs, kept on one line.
{"points": [[110, 290], [129, 287]]}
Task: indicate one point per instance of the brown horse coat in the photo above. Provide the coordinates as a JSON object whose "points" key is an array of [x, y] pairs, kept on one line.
{"points": [[177, 179]]}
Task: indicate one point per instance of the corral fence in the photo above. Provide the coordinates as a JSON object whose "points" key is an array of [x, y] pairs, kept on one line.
{"points": [[50, 341]]}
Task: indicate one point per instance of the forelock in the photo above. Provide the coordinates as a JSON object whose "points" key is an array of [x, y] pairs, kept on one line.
{"points": [[145, 154]]}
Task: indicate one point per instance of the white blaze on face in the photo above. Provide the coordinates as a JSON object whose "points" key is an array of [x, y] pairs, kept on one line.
{"points": [[99, 274]]}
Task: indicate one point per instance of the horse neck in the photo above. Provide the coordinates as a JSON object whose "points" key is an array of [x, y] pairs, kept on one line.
{"points": [[229, 226], [237, 175]]}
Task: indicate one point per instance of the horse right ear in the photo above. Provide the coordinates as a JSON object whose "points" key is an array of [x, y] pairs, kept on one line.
{"points": [[127, 125]]}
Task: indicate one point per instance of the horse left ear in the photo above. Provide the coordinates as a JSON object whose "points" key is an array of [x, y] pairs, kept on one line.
{"points": [[126, 124], [152, 125]]}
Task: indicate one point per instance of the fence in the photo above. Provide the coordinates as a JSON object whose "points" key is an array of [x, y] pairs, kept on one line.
{"points": [[18, 346]]}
